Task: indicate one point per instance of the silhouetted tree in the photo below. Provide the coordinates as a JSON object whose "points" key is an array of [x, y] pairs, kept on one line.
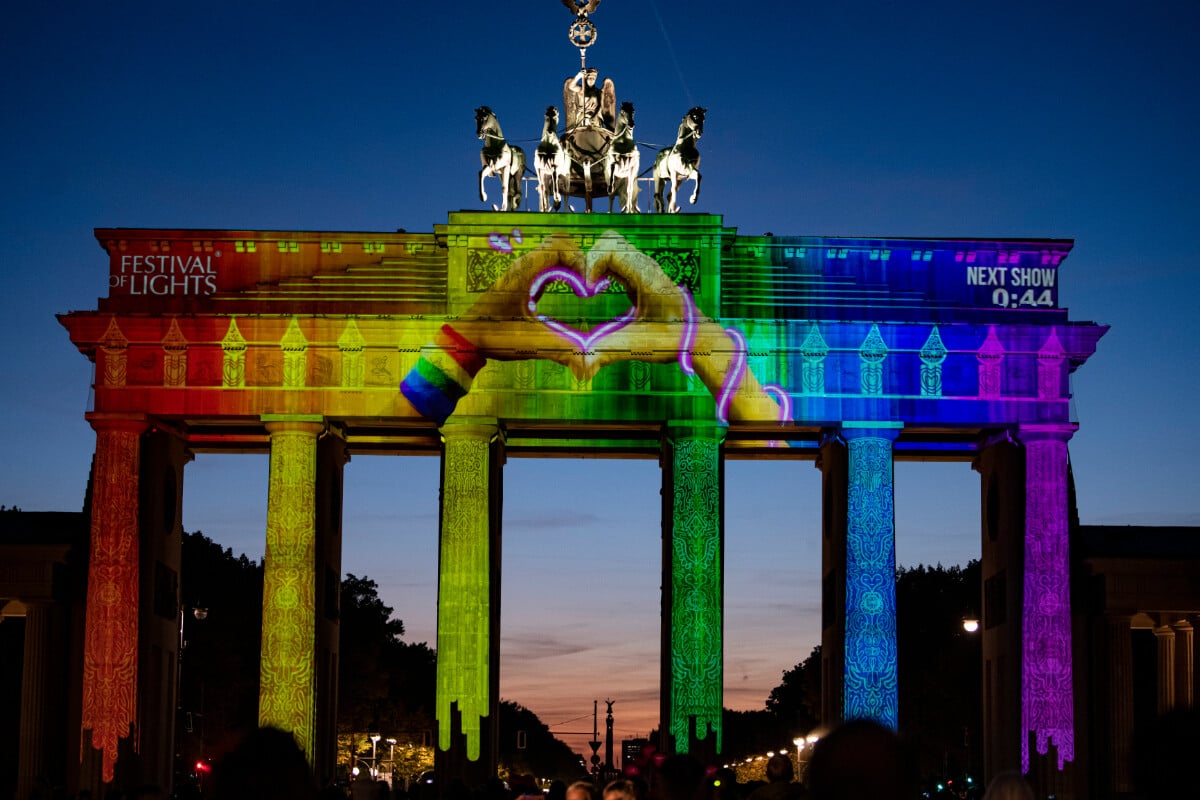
{"points": [[796, 702], [542, 756], [218, 687], [939, 671]]}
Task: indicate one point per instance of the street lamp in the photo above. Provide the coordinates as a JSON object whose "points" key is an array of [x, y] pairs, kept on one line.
{"points": [[374, 737], [970, 624]]}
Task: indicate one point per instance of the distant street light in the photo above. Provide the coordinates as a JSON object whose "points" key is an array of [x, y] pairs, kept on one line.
{"points": [[374, 737], [970, 625]]}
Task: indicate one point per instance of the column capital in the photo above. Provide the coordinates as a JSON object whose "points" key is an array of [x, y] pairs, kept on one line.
{"points": [[1035, 432], [870, 429], [466, 427], [694, 429], [300, 423], [104, 421]]}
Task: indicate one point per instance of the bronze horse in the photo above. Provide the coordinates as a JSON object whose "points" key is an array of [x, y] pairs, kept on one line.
{"points": [[500, 159], [679, 162]]}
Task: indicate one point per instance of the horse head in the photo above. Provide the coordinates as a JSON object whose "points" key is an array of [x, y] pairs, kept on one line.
{"points": [[695, 120], [626, 114], [485, 119]]}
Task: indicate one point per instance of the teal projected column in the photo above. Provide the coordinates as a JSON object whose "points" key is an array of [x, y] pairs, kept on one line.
{"points": [[870, 645], [464, 584], [287, 663], [696, 563]]}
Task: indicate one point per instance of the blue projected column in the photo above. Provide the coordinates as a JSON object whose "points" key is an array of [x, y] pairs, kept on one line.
{"points": [[870, 673]]}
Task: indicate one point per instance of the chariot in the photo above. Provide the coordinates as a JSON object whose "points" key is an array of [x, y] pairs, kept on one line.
{"points": [[596, 154]]}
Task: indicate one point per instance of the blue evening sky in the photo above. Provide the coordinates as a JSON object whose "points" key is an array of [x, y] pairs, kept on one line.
{"points": [[991, 119]]}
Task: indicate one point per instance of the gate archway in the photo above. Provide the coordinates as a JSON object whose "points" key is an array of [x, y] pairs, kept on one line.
{"points": [[668, 336]]}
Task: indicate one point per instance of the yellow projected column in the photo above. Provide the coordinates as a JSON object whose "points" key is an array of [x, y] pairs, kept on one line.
{"points": [[465, 588], [285, 694]]}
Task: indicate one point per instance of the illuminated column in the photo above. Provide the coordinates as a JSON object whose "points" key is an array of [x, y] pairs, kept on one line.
{"points": [[111, 627], [469, 600], [693, 560], [1047, 699], [287, 661], [870, 688]]}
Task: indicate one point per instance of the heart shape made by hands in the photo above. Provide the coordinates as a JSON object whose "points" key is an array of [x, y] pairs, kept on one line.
{"points": [[584, 341]]}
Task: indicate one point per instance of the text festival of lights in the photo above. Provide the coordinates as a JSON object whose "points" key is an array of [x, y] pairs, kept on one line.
{"points": [[165, 275]]}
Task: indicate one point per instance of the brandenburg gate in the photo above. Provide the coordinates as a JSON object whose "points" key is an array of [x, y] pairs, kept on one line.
{"points": [[667, 336]]}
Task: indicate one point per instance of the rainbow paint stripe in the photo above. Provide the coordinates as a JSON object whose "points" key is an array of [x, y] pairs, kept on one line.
{"points": [[443, 375]]}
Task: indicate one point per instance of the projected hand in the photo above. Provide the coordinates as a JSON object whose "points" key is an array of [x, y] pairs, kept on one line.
{"points": [[519, 334], [667, 327]]}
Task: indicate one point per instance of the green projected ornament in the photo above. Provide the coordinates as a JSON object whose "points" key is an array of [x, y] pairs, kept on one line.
{"points": [[696, 628], [286, 687], [463, 642]]}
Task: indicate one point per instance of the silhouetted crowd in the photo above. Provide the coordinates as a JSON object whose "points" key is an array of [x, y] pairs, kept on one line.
{"points": [[858, 760]]}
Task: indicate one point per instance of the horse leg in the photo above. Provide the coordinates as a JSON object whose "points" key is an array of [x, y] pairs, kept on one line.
{"points": [[675, 180], [658, 198], [482, 192], [696, 191]]}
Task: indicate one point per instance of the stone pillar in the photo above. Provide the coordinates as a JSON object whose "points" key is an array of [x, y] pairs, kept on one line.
{"points": [[834, 464], [1047, 694], [692, 665], [468, 636], [110, 675], [36, 689], [1117, 735], [1185, 665], [160, 490], [287, 662], [1165, 636], [331, 461], [870, 689], [1001, 467]]}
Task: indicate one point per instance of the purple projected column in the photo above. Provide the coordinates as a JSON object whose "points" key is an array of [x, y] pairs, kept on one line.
{"points": [[1046, 692], [870, 671]]}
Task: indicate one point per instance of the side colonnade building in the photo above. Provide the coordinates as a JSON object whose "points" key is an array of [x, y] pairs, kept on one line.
{"points": [[525, 334]]}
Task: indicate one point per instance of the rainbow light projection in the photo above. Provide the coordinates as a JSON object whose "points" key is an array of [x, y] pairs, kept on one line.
{"points": [[870, 683], [770, 328], [1046, 690], [463, 625], [110, 638], [696, 624], [286, 687]]}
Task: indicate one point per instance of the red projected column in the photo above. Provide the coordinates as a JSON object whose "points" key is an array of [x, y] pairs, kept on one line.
{"points": [[111, 628]]}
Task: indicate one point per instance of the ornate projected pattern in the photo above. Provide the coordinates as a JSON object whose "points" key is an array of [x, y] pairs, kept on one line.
{"points": [[286, 688], [351, 344], [933, 353], [110, 637], [871, 355], [233, 363], [294, 346], [115, 346], [991, 358], [463, 639], [1046, 694], [174, 357], [814, 351], [696, 667], [871, 687]]}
